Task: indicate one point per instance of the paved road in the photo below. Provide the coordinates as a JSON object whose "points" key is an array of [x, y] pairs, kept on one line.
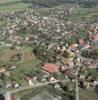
{"points": [[46, 83], [77, 85], [35, 86]]}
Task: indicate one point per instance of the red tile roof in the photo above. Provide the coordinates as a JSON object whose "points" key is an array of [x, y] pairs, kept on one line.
{"points": [[51, 68], [95, 37], [81, 41]]}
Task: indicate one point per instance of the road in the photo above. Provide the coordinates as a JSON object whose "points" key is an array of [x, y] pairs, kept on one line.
{"points": [[77, 85], [35, 86], [47, 83]]}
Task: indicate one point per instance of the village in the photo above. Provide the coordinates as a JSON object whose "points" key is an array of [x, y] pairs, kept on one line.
{"points": [[45, 48]]}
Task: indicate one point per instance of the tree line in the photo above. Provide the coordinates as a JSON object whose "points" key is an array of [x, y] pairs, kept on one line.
{"points": [[51, 3]]}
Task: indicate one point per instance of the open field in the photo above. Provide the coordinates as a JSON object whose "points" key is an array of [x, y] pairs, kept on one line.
{"points": [[24, 69], [79, 13], [86, 11], [8, 1], [88, 95], [28, 55], [7, 54], [12, 5], [2, 50]]}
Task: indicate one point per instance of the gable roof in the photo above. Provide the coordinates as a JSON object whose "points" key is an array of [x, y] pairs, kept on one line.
{"points": [[81, 41], [51, 68], [94, 37]]}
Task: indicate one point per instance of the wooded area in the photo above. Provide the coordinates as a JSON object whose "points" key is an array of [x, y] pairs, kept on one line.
{"points": [[51, 3]]}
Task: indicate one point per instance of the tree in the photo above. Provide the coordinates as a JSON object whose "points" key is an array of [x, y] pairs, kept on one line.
{"points": [[96, 88], [51, 3], [1, 97], [93, 54], [44, 54]]}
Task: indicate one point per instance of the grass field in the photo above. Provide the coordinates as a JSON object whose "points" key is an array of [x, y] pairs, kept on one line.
{"points": [[2, 50], [86, 11], [6, 54], [25, 68], [88, 95], [28, 56], [79, 13], [12, 5], [8, 1]]}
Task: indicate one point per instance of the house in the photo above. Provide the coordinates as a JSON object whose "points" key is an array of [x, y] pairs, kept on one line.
{"points": [[52, 79], [2, 70], [50, 68], [56, 85], [13, 67], [87, 46], [35, 78], [8, 84], [70, 62], [16, 85], [94, 37], [63, 68], [7, 73], [30, 82], [81, 42], [73, 47]]}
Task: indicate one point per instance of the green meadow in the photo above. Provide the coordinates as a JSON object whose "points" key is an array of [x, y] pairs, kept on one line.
{"points": [[12, 5]]}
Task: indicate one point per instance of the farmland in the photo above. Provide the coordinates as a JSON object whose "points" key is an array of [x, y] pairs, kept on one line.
{"points": [[8, 1], [12, 5]]}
